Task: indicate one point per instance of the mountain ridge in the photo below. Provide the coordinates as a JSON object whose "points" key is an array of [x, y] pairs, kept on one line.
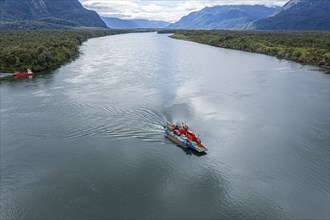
{"points": [[234, 17], [48, 13], [298, 15], [118, 23]]}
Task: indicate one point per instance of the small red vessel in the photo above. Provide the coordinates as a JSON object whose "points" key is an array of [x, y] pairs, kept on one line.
{"points": [[28, 74], [184, 137]]}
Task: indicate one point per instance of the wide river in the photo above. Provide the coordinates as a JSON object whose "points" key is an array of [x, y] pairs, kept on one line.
{"points": [[86, 140]]}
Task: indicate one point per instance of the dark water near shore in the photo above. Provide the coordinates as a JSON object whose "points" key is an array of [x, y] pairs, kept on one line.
{"points": [[86, 141]]}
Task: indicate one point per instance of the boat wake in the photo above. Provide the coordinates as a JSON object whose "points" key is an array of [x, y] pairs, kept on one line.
{"points": [[114, 121]]}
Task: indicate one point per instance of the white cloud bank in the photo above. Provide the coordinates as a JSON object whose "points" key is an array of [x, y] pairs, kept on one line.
{"points": [[166, 10]]}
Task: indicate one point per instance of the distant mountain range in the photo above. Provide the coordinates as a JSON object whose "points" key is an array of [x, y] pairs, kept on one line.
{"points": [[68, 14], [233, 17], [298, 15], [47, 14], [117, 23]]}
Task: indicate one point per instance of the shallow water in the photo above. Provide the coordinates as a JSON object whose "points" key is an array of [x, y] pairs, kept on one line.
{"points": [[86, 140]]}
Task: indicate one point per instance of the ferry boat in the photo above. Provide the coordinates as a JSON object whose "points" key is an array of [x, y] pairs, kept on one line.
{"points": [[183, 137], [28, 74]]}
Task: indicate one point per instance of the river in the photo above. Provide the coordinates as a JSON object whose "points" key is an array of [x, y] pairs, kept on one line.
{"points": [[86, 140]]}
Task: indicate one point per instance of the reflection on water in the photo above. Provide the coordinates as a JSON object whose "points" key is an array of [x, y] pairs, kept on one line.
{"points": [[86, 141]]}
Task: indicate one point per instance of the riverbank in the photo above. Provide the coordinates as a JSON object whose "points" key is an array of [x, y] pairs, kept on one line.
{"points": [[44, 50], [303, 47]]}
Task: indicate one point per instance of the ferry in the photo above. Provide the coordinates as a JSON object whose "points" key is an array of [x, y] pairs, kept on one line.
{"points": [[28, 74], [183, 137]]}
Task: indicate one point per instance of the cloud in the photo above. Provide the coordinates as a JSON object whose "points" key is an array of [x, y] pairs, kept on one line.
{"points": [[166, 10]]}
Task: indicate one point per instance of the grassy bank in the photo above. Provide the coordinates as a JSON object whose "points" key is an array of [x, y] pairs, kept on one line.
{"points": [[303, 47], [43, 50]]}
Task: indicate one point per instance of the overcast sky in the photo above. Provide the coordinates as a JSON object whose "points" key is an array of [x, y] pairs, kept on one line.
{"points": [[166, 10]]}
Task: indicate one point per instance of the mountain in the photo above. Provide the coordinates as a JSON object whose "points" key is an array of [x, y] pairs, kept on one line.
{"points": [[52, 14], [117, 23], [298, 15], [224, 17]]}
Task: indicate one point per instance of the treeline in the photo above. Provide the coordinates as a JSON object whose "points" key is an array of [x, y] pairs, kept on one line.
{"points": [[303, 47], [44, 50], [41, 24]]}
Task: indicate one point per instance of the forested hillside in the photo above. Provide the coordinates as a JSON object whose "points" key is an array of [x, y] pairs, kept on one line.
{"points": [[298, 15], [46, 14]]}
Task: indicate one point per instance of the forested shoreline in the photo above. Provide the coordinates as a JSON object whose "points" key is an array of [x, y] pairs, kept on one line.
{"points": [[302, 47], [44, 50]]}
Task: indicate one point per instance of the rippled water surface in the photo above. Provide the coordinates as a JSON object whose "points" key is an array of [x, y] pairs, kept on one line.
{"points": [[86, 140]]}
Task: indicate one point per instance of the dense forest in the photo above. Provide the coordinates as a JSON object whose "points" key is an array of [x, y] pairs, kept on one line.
{"points": [[44, 50], [303, 47]]}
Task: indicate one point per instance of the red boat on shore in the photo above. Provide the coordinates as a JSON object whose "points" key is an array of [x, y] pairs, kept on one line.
{"points": [[28, 74]]}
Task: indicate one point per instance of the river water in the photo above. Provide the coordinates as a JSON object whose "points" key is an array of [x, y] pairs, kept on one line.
{"points": [[86, 140]]}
